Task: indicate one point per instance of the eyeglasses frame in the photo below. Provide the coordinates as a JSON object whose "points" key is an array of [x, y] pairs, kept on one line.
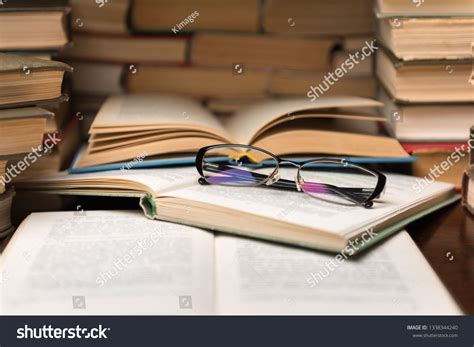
{"points": [[274, 177]]}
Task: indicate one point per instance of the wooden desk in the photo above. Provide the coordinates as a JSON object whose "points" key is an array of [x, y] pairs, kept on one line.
{"points": [[446, 238]]}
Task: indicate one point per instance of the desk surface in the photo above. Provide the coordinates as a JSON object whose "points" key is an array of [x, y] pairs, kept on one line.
{"points": [[446, 238]]}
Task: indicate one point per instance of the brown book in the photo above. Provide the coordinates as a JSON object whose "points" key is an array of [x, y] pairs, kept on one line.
{"points": [[60, 156], [180, 16], [438, 161], [30, 81], [92, 78], [61, 115], [450, 170], [199, 82], [127, 49], [427, 38], [86, 17], [468, 190], [397, 8], [471, 141], [3, 166], [363, 68], [294, 83], [159, 125], [448, 122], [335, 17], [261, 51], [425, 81], [21, 129], [33, 25], [6, 226]]}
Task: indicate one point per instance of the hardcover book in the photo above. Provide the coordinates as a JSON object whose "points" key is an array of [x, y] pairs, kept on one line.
{"points": [[30, 81], [287, 216]]}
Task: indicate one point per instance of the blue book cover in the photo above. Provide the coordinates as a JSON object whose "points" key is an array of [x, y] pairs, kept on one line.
{"points": [[189, 160]]}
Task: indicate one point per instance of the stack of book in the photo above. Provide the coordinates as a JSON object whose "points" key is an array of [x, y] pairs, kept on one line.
{"points": [[425, 71], [226, 54], [468, 180], [33, 110]]}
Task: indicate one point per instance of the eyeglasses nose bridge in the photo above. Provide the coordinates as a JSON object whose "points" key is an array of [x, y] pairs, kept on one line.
{"points": [[297, 182], [273, 178]]}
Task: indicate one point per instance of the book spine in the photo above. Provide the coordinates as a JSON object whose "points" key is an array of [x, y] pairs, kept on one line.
{"points": [[471, 142], [148, 205], [467, 185]]}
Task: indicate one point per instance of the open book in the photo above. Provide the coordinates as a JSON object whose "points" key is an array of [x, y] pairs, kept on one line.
{"points": [[129, 125], [117, 262], [284, 216]]}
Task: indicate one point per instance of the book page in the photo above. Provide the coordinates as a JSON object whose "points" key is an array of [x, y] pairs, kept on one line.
{"points": [[143, 110], [243, 125], [301, 209], [111, 262], [139, 181], [255, 277]]}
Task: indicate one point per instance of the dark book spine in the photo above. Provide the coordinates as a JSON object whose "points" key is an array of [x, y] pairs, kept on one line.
{"points": [[467, 186], [471, 144]]}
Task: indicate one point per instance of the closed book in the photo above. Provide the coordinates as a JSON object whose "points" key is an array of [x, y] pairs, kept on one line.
{"points": [[468, 190], [297, 83], [125, 48], [30, 25], [30, 81], [88, 16], [421, 8], [425, 38], [444, 162], [21, 129], [309, 17], [425, 81], [471, 142], [182, 16], [261, 51], [424, 122], [201, 82], [6, 199]]}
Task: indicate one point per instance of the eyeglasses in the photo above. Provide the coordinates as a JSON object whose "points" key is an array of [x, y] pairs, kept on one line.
{"points": [[329, 179]]}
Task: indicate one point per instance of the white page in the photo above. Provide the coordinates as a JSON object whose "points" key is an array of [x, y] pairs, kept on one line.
{"points": [[156, 180], [244, 124], [255, 277], [135, 110], [301, 209], [58, 255]]}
